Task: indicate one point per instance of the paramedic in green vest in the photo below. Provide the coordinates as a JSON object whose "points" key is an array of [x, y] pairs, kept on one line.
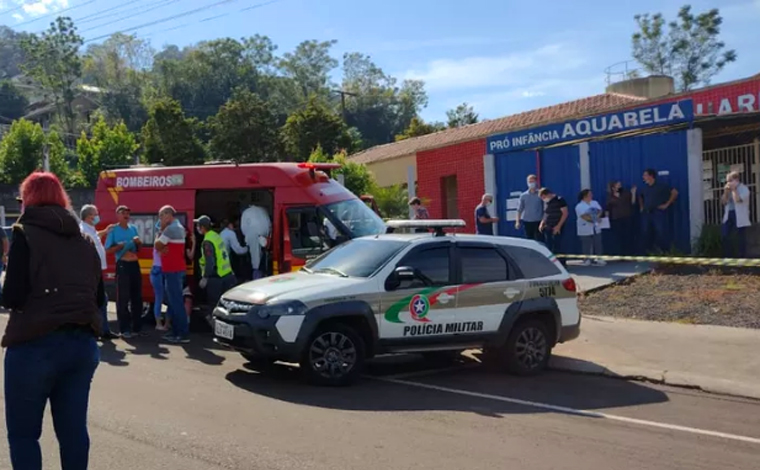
{"points": [[215, 265]]}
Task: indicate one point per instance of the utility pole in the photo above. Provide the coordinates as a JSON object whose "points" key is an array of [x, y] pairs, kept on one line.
{"points": [[343, 95], [45, 151]]}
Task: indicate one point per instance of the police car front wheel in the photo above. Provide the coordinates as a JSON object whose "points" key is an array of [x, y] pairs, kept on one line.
{"points": [[333, 356]]}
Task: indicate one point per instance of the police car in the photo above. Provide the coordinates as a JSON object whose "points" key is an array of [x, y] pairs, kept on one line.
{"points": [[430, 293]]}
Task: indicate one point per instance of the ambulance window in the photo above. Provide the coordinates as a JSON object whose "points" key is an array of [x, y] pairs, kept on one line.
{"points": [[307, 238]]}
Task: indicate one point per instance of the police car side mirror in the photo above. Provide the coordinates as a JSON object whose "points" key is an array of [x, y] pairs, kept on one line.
{"points": [[400, 274]]}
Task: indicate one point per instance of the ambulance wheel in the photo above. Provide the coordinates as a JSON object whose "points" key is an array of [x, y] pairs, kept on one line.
{"points": [[333, 356], [528, 348]]}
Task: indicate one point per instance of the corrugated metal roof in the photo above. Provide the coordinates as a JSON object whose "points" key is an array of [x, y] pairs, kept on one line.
{"points": [[570, 109]]}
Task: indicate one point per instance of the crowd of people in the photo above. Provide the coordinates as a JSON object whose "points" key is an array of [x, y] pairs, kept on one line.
{"points": [[627, 212]]}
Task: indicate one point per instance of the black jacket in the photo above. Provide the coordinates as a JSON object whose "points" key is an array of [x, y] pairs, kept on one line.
{"points": [[53, 279]]}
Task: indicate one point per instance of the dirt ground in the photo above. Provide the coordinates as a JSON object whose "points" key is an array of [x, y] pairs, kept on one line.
{"points": [[682, 295]]}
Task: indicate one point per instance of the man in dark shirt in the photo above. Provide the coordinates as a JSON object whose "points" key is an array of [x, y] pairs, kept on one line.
{"points": [[483, 220], [654, 200], [555, 216]]}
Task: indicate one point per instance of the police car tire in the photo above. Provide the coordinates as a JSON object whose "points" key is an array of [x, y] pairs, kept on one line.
{"points": [[314, 377], [509, 353]]}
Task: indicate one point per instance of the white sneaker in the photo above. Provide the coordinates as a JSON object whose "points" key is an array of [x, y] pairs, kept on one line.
{"points": [[600, 262], [586, 262]]}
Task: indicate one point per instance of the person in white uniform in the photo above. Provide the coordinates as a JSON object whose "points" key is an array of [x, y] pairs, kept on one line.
{"points": [[256, 227]]}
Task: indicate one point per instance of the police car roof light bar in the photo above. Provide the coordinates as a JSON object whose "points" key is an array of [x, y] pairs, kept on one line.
{"points": [[435, 224]]}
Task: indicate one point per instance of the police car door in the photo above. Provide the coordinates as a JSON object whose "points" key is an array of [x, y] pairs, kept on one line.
{"points": [[488, 286], [419, 297]]}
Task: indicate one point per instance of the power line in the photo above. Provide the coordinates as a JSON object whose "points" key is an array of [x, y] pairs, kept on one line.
{"points": [[98, 15], [55, 13], [11, 10], [163, 20], [141, 12], [211, 18]]}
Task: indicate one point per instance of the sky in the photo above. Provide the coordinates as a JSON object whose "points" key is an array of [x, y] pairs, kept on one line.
{"points": [[500, 56]]}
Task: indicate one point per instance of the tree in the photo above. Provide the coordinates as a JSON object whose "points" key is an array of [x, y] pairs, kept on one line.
{"points": [[356, 177], [418, 127], [462, 115], [309, 66], [687, 50], [12, 103], [377, 106], [120, 67], [316, 125], [170, 138], [107, 148], [245, 130], [392, 201], [53, 61], [21, 151]]}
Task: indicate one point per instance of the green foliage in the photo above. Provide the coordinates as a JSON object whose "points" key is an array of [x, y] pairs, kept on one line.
{"points": [[12, 55], [462, 115], [108, 147], [709, 244], [316, 125], [170, 138], [21, 151], [309, 67], [418, 127], [392, 201], [53, 61], [12, 103], [356, 177], [245, 130], [687, 49]]}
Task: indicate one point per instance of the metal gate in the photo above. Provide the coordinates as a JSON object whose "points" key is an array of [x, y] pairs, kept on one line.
{"points": [[718, 163]]}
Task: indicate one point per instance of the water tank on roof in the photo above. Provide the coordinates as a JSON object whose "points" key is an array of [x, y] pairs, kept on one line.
{"points": [[653, 86]]}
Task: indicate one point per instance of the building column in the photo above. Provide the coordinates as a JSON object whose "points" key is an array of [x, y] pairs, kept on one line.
{"points": [[489, 178], [696, 187], [583, 156], [411, 190]]}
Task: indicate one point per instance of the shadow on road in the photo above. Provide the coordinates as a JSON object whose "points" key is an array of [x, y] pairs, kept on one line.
{"points": [[375, 393], [110, 355]]}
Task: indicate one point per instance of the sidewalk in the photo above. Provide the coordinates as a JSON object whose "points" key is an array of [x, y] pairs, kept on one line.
{"points": [[595, 277], [713, 358]]}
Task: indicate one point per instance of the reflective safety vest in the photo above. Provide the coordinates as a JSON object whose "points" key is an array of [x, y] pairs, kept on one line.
{"points": [[223, 266]]}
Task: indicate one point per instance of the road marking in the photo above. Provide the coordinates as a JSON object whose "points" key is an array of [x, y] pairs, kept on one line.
{"points": [[577, 412]]}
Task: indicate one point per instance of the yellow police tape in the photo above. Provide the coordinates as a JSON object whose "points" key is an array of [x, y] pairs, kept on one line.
{"points": [[672, 260]]}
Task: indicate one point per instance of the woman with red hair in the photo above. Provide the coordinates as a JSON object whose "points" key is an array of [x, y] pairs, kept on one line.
{"points": [[53, 287]]}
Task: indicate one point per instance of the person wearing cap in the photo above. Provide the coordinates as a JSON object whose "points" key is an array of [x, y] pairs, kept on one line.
{"points": [[483, 220], [124, 243], [216, 269], [171, 246]]}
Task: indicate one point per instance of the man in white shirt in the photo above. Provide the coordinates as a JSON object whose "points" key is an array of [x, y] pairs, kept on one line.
{"points": [[736, 216], [89, 219], [231, 240], [239, 261]]}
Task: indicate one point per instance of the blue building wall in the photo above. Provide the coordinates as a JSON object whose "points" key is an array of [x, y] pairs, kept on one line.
{"points": [[625, 159], [558, 169]]}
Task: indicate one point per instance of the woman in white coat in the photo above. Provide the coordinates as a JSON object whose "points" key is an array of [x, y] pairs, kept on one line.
{"points": [[736, 216], [589, 214]]}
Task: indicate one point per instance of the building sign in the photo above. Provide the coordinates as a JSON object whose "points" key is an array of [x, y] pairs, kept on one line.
{"points": [[132, 182], [640, 118], [746, 103]]}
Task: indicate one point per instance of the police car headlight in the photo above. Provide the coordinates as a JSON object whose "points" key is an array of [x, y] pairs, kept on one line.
{"points": [[233, 307], [278, 309]]}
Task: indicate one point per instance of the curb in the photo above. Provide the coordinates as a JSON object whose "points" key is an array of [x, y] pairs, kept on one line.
{"points": [[661, 377], [614, 283]]}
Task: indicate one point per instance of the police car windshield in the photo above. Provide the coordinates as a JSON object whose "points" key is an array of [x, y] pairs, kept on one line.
{"points": [[359, 219], [356, 258]]}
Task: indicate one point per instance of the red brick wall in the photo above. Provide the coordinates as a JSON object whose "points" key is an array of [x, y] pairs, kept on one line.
{"points": [[464, 160]]}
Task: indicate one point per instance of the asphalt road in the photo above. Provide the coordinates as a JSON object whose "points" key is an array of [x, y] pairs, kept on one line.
{"points": [[191, 407]]}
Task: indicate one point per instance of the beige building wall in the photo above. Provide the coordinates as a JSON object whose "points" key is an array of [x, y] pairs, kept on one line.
{"points": [[393, 171]]}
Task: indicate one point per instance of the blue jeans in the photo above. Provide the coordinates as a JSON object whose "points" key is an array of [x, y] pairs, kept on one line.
{"points": [[158, 281], [727, 229], [58, 367], [656, 233], [104, 329], [180, 326]]}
